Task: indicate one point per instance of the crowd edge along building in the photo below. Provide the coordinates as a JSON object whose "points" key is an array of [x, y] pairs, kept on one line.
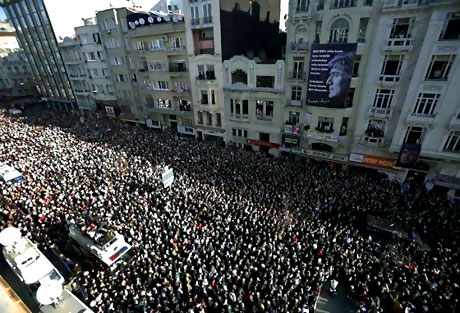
{"points": [[36, 37]]}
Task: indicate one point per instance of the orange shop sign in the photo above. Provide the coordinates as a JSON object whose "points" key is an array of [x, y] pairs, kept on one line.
{"points": [[372, 160]]}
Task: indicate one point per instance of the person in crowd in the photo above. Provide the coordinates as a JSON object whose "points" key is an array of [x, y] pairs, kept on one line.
{"points": [[236, 232]]}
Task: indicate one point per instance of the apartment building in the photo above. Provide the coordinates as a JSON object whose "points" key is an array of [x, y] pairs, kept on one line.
{"points": [[17, 84], [113, 28], [158, 59], [36, 37], [8, 42], [86, 64], [401, 93], [235, 54]]}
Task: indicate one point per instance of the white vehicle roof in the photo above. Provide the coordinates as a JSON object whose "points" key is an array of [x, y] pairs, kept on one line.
{"points": [[33, 265], [9, 173], [109, 253], [14, 111]]}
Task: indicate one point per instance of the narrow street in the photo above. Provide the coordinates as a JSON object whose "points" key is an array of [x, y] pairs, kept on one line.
{"points": [[338, 303]]}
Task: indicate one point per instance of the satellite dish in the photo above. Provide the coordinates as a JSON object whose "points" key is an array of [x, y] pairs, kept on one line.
{"points": [[159, 19], [136, 22], [167, 18], [180, 18], [175, 19], [150, 19], [9, 236], [141, 21], [132, 25], [49, 292]]}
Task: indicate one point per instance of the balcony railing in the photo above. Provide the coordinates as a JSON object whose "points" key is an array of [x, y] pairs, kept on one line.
{"points": [[295, 103], [373, 141], [297, 75], [239, 117], [174, 49], [338, 4], [207, 76], [389, 78], [302, 9], [299, 47], [263, 117], [174, 68], [394, 43], [385, 113], [201, 21]]}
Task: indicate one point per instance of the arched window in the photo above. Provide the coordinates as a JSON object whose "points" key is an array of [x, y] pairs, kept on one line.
{"points": [[239, 76], [339, 31], [300, 34]]}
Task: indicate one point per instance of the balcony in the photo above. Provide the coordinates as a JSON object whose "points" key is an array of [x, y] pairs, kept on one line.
{"points": [[180, 92], [262, 117], [340, 4], [176, 69], [384, 113], [421, 118], [201, 22], [175, 51], [295, 103], [399, 44], [299, 46], [454, 123], [320, 135], [204, 46], [302, 9], [239, 117], [293, 129], [207, 79], [300, 76], [389, 79], [371, 141]]}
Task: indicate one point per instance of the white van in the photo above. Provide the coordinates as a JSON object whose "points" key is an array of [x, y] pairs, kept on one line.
{"points": [[14, 112], [10, 175]]}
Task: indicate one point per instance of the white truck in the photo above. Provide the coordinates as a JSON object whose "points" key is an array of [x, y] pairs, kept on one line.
{"points": [[106, 245], [9, 175]]}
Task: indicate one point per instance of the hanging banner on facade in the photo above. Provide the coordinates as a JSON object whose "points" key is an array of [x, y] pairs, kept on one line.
{"points": [[408, 155], [325, 155], [331, 68]]}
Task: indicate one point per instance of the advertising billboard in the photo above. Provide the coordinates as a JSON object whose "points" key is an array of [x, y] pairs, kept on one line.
{"points": [[331, 69], [408, 155]]}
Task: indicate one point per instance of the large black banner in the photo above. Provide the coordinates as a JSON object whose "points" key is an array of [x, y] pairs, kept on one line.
{"points": [[331, 68]]}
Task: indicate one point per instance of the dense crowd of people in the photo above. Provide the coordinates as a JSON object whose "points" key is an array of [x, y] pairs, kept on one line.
{"points": [[236, 232]]}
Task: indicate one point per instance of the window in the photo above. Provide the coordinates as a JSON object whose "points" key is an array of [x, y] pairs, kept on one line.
{"points": [[453, 142], [296, 93], [339, 31], [175, 43], [298, 68], [362, 29], [91, 56], [120, 78], [383, 98], [245, 107], [156, 66], [164, 103], [240, 132], [219, 120], [413, 134], [302, 5], [325, 124], [318, 32], [204, 97], [391, 68], [402, 27], [208, 119], [342, 3], [200, 117], [451, 28], [265, 81], [239, 76], [213, 97], [375, 129], [426, 104], [157, 44], [207, 74], [163, 85], [185, 105], [264, 110], [356, 66], [439, 67]]}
